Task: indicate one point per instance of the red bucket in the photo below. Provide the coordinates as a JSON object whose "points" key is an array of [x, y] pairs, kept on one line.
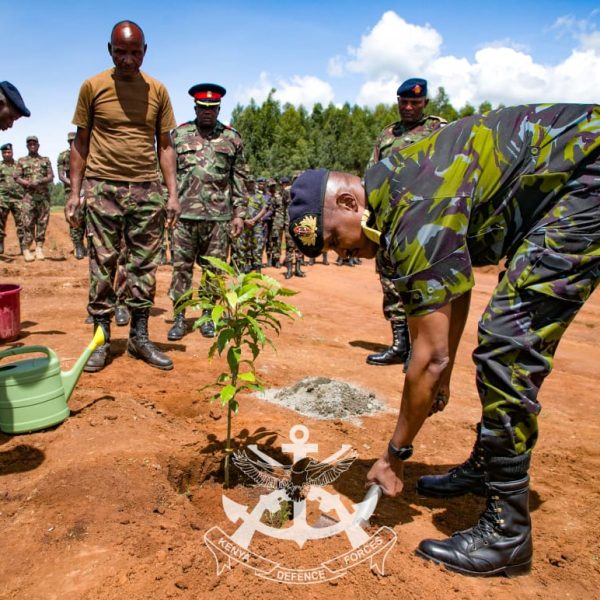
{"points": [[10, 311]]}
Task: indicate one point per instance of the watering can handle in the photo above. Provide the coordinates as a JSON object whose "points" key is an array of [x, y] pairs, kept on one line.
{"points": [[26, 350]]}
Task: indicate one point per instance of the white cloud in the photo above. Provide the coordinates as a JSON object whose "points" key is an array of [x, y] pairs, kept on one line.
{"points": [[500, 72], [299, 90]]}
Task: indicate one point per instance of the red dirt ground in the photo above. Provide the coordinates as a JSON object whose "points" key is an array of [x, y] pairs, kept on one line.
{"points": [[114, 502]]}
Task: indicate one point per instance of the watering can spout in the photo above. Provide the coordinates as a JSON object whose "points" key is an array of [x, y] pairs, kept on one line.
{"points": [[71, 376]]}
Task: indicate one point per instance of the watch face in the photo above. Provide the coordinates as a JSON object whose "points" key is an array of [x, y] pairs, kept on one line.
{"points": [[403, 453]]}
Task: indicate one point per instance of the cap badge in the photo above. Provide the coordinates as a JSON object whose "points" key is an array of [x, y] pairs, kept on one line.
{"points": [[417, 89], [306, 230]]}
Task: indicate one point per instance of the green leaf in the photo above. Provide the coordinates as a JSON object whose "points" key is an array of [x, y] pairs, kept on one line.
{"points": [[219, 264], [248, 376], [233, 359], [217, 313], [227, 393], [232, 299]]}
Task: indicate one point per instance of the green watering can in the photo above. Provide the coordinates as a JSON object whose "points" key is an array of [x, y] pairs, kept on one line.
{"points": [[34, 392]]}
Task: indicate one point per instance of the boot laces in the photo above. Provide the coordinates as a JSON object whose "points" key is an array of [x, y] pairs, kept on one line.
{"points": [[490, 521]]}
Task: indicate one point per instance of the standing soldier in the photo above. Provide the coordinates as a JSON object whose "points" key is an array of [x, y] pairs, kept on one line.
{"points": [[210, 175], [413, 125], [64, 170], [293, 256], [10, 196], [124, 118], [277, 232], [34, 174], [251, 241]]}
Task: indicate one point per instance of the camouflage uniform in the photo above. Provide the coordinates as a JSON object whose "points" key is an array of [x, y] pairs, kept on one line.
{"points": [[395, 137], [292, 254], [210, 177], [279, 215], [10, 200], [36, 203], [249, 245], [63, 164], [121, 214], [521, 183]]}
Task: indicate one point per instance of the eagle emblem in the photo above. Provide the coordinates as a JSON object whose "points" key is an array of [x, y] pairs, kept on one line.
{"points": [[295, 479], [306, 230]]}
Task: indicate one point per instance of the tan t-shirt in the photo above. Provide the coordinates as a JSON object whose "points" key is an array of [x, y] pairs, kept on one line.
{"points": [[124, 118]]}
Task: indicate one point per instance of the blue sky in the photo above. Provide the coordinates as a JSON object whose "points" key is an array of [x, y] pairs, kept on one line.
{"points": [[357, 52]]}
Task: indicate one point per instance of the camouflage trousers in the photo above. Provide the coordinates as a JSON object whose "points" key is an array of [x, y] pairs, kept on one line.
{"points": [[35, 214], [547, 280], [14, 207], [247, 249], [276, 239], [76, 234], [292, 254], [393, 311], [191, 241], [124, 223]]}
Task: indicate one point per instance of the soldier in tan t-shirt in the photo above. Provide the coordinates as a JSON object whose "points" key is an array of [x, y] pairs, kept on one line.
{"points": [[123, 120]]}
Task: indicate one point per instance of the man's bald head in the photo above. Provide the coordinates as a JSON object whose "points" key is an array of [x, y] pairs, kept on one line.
{"points": [[127, 48], [127, 30]]}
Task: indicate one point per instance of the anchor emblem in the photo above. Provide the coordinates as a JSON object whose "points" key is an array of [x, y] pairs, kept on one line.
{"points": [[299, 482]]}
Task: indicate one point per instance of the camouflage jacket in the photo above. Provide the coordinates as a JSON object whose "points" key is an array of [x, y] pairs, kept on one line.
{"points": [[254, 204], [9, 188], [278, 210], [63, 166], [285, 202], [210, 172], [35, 169], [468, 194], [397, 136]]}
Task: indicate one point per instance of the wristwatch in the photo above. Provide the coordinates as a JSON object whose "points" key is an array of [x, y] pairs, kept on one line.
{"points": [[403, 453]]}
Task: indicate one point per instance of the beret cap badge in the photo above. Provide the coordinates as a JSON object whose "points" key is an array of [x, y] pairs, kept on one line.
{"points": [[306, 230]]}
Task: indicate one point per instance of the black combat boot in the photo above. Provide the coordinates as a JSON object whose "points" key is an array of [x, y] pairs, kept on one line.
{"points": [[179, 328], [2, 246], [468, 478], [398, 352], [139, 345], [122, 316], [298, 272], [100, 357], [207, 329], [79, 250], [500, 544], [289, 273], [311, 262], [276, 263], [325, 259]]}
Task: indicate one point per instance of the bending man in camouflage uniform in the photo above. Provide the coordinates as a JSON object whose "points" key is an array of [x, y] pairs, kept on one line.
{"points": [[210, 175], [64, 169], [413, 126], [34, 174], [123, 120], [521, 183], [10, 196]]}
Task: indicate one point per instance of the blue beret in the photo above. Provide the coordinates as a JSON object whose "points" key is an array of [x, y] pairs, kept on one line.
{"points": [[13, 96], [6, 147], [306, 211], [413, 88]]}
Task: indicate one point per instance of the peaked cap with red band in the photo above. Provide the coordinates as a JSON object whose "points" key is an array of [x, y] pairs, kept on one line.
{"points": [[207, 94]]}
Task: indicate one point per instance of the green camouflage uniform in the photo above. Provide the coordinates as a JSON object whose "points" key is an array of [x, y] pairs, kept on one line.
{"points": [[124, 223], [249, 246], [395, 137], [36, 203], [277, 226], [11, 194], [521, 183], [63, 164], [292, 254], [210, 178]]}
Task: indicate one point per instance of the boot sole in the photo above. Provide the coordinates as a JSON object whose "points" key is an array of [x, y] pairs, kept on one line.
{"points": [[384, 364], [510, 571], [165, 368]]}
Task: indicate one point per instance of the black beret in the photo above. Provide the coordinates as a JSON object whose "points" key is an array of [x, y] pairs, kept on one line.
{"points": [[207, 94], [14, 97], [6, 147], [306, 211], [284, 179], [31, 138], [413, 88]]}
